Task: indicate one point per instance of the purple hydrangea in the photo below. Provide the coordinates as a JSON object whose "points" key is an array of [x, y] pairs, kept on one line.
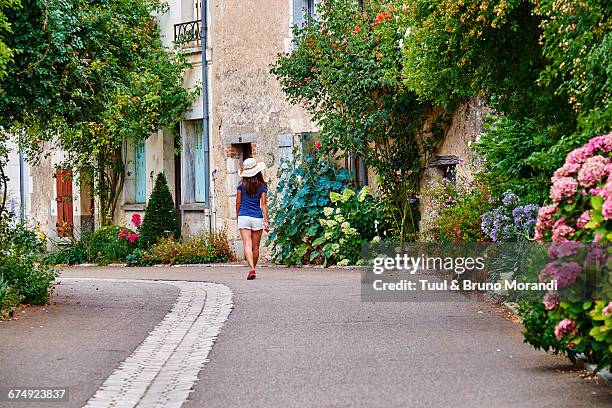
{"points": [[510, 199], [509, 221]]}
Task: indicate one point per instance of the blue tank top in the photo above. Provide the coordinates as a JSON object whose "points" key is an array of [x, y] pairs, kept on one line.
{"points": [[250, 206]]}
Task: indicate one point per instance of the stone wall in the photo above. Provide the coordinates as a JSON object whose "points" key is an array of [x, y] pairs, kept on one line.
{"points": [[466, 127], [248, 107]]}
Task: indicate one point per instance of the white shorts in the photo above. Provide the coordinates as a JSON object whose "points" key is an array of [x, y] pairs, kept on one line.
{"points": [[252, 223]]}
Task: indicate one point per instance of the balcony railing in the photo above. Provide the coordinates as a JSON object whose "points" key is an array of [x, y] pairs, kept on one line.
{"points": [[188, 32]]}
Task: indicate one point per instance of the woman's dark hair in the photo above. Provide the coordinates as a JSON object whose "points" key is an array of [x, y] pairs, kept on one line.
{"points": [[253, 184]]}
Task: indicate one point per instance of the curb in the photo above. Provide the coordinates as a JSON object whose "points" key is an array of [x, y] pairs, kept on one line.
{"points": [[604, 374], [581, 363], [217, 265]]}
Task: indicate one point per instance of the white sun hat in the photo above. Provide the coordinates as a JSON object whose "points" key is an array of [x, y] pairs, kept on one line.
{"points": [[250, 167]]}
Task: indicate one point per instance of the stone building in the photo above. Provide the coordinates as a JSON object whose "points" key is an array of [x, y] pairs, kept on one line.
{"points": [[247, 116]]}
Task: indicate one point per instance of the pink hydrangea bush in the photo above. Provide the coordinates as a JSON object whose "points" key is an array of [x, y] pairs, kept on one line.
{"points": [[581, 195], [578, 224]]}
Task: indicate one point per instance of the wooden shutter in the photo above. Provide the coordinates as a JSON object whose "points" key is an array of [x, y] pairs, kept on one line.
{"points": [[199, 169], [63, 184], [140, 173]]}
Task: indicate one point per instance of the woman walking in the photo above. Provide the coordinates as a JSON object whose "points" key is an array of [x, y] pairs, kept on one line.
{"points": [[252, 210]]}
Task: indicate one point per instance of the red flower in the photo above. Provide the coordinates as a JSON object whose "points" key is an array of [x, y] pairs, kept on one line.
{"points": [[317, 145], [136, 220], [382, 16], [356, 30]]}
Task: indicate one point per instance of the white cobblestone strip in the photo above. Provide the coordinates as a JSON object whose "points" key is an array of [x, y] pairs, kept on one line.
{"points": [[162, 370]]}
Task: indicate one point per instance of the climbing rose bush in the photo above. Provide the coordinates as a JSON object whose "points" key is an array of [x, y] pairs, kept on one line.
{"points": [[578, 222]]}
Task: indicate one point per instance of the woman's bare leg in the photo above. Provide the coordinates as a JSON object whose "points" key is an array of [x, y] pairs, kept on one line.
{"points": [[247, 243], [256, 239]]}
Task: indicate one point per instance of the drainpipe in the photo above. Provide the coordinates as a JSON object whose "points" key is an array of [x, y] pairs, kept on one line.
{"points": [[21, 183], [206, 133]]}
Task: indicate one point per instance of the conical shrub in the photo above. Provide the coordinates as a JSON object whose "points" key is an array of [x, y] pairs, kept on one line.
{"points": [[160, 218]]}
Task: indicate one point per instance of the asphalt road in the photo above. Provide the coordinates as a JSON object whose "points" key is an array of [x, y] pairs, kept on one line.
{"points": [[297, 338], [79, 339]]}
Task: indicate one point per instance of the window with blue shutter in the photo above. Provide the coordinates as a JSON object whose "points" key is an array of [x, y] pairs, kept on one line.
{"points": [[298, 12], [303, 8], [140, 173], [199, 168]]}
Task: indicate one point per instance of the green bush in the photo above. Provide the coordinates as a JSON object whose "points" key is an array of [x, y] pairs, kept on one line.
{"points": [[23, 277], [540, 329], [206, 248], [160, 218], [72, 253], [507, 147], [455, 211], [10, 298], [297, 205], [104, 245], [354, 219], [139, 258]]}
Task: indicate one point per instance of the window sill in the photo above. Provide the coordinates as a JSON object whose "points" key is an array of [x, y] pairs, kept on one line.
{"points": [[134, 207], [194, 207]]}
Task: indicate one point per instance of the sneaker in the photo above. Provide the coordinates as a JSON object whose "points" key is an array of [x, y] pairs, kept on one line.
{"points": [[251, 274]]}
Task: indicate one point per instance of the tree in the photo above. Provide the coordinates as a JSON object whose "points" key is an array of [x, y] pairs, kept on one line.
{"points": [[346, 70], [6, 55], [90, 77], [160, 216]]}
